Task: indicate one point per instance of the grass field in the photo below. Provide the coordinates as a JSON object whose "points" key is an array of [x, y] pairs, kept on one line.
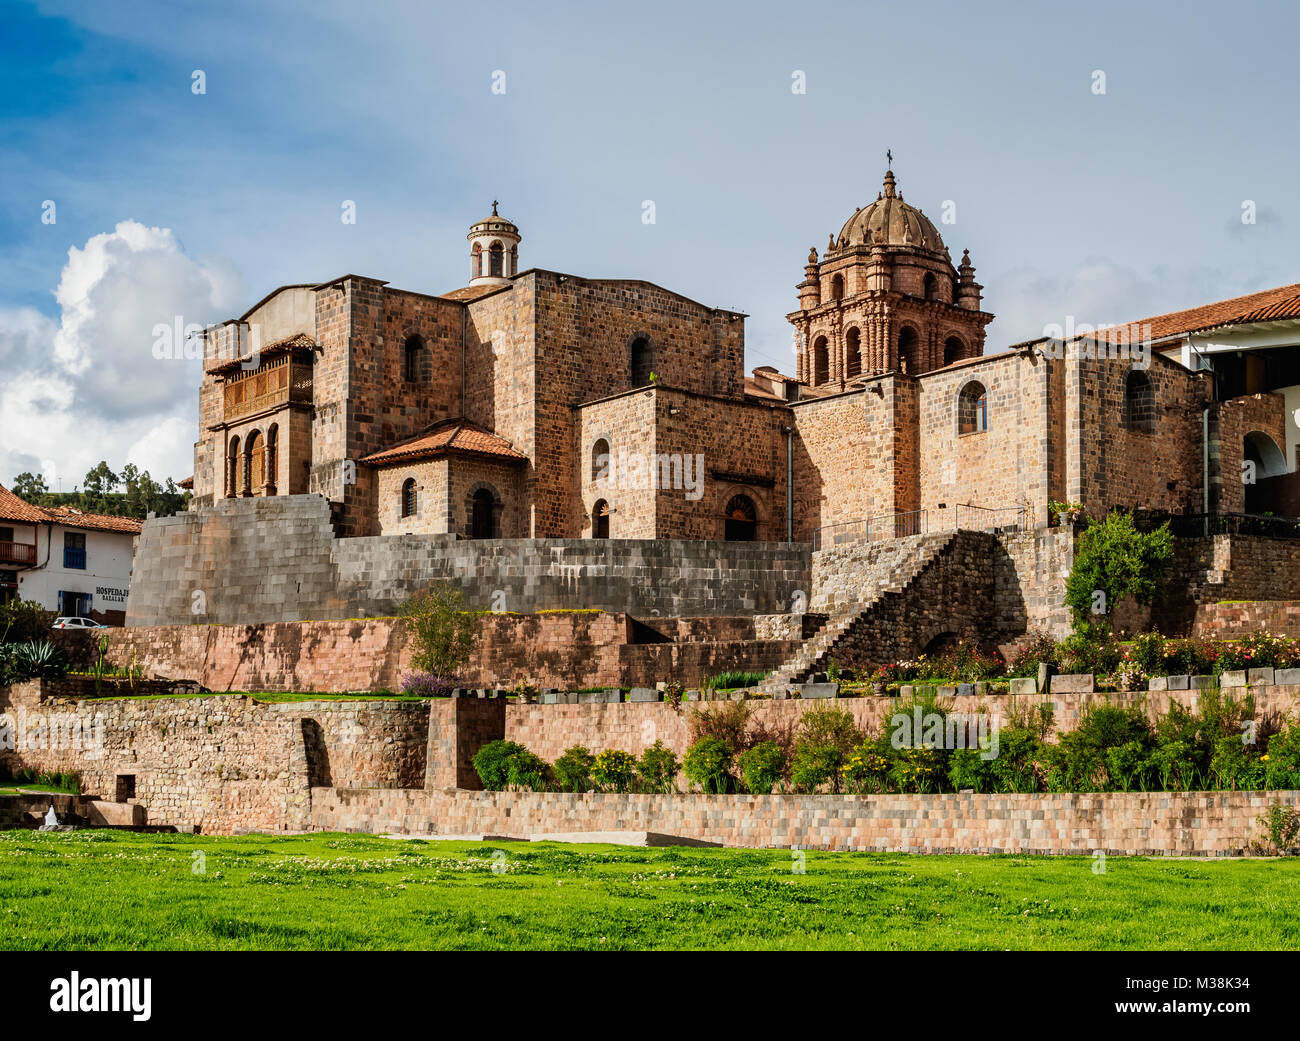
{"points": [[101, 889]]}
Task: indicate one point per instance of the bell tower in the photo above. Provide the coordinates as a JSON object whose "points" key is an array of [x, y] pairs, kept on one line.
{"points": [[493, 250]]}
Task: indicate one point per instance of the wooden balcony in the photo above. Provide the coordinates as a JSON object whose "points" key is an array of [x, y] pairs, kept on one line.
{"points": [[277, 383], [17, 553]]}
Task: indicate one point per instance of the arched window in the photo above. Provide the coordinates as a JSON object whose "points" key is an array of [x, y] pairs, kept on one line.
{"points": [[642, 360], [931, 286], [1258, 448], [821, 362], [972, 409], [254, 464], [853, 354], [412, 356], [909, 350], [600, 520], [481, 522], [476, 261], [494, 260], [272, 457], [1139, 403], [837, 287], [600, 461], [953, 350], [234, 479], [410, 502], [740, 520]]}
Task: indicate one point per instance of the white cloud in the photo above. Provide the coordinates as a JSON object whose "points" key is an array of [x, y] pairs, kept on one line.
{"points": [[1102, 292], [89, 387]]}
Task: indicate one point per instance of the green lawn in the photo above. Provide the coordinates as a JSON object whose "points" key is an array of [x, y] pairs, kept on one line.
{"points": [[100, 889]]}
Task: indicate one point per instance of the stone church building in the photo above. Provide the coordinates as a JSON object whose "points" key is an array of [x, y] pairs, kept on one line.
{"points": [[536, 404]]}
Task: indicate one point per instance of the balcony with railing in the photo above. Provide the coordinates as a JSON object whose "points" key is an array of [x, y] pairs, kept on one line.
{"points": [[17, 553], [281, 381], [74, 557]]}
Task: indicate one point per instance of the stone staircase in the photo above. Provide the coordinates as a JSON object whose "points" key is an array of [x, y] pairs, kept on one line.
{"points": [[896, 568]]}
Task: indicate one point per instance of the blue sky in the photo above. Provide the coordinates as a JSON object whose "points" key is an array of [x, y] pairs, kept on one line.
{"points": [[1104, 206]]}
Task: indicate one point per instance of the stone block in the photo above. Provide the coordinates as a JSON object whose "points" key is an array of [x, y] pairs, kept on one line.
{"points": [[639, 694], [1286, 677], [965, 690], [1158, 683], [1200, 682], [1177, 682], [947, 692], [1023, 685], [1260, 677], [1235, 678], [819, 690], [905, 690], [1073, 683]]}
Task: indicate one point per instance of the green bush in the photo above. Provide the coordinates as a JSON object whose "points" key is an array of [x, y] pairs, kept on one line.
{"points": [[23, 621], [573, 769], [816, 766], [443, 632], [658, 768], [503, 765], [728, 721], [1116, 559], [763, 767], [1283, 759], [614, 770], [708, 764]]}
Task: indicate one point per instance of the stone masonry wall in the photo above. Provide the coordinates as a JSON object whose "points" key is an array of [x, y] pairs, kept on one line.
{"points": [[1129, 823], [275, 559]]}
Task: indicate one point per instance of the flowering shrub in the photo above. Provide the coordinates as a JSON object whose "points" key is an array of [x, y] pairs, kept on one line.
{"points": [[614, 770], [762, 767], [429, 684]]}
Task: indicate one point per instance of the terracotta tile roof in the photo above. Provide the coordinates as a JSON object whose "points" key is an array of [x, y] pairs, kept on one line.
{"points": [[451, 436], [71, 518], [754, 389], [1270, 305], [13, 508], [296, 342], [466, 293]]}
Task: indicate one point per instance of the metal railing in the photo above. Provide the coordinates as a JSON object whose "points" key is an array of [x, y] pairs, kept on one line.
{"points": [[962, 517], [74, 557], [1198, 525]]}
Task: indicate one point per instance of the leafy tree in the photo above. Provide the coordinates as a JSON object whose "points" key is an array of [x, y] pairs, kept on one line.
{"points": [[1116, 560], [443, 631], [29, 486]]}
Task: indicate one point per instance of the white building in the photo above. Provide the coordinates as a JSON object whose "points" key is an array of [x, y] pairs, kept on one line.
{"points": [[69, 562]]}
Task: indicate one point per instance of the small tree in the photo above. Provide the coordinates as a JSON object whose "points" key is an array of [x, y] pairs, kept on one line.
{"points": [[443, 631], [1116, 560]]}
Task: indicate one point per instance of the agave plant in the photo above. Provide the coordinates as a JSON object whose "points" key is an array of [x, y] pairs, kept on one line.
{"points": [[38, 660]]}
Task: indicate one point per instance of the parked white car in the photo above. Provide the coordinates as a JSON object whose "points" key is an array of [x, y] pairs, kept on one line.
{"points": [[73, 622]]}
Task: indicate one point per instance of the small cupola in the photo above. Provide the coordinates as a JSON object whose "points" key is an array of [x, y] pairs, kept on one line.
{"points": [[493, 250]]}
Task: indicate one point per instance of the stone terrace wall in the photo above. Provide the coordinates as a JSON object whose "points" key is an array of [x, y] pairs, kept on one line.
{"points": [[222, 763], [275, 559], [569, 649], [1128, 823]]}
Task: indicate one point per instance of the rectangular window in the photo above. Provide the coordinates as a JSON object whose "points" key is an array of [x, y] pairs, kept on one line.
{"points": [[8, 586], [6, 534], [125, 787], [74, 549]]}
